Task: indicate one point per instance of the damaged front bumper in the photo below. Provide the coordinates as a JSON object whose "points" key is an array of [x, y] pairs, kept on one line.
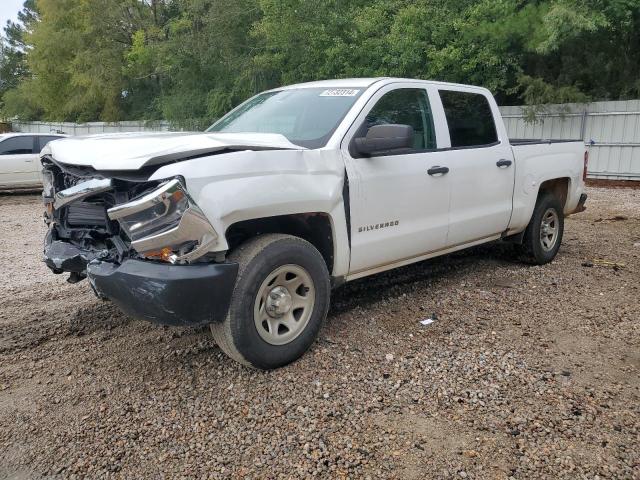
{"points": [[142, 244], [62, 257], [161, 293], [166, 294]]}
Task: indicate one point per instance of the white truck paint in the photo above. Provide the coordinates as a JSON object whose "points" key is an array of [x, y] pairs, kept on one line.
{"points": [[456, 181], [476, 202]]}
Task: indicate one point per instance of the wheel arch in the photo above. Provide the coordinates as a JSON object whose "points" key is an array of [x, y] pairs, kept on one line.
{"points": [[533, 246], [525, 202], [559, 187], [317, 228]]}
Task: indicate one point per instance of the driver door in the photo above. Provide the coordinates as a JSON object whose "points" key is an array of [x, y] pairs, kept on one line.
{"points": [[398, 210]]}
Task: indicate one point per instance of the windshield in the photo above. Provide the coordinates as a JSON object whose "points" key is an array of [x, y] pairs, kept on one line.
{"points": [[306, 116]]}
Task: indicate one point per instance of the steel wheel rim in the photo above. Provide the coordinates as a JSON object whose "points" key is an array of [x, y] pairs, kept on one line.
{"points": [[284, 304], [549, 228]]}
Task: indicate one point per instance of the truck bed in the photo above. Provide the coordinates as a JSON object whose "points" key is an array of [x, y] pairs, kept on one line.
{"points": [[538, 141], [540, 160]]}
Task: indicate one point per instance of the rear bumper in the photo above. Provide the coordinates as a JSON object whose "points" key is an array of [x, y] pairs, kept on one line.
{"points": [[166, 294]]}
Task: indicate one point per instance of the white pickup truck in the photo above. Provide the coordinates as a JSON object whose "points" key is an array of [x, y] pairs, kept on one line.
{"points": [[248, 226]]}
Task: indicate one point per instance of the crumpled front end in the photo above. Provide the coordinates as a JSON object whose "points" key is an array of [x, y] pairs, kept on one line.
{"points": [[76, 201], [143, 244]]}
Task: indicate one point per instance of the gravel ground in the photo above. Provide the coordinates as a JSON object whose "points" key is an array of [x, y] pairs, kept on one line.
{"points": [[528, 372]]}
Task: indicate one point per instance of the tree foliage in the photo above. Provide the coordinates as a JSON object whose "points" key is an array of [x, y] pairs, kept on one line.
{"points": [[13, 58], [190, 61]]}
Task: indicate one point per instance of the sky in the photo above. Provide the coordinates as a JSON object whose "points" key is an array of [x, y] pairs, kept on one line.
{"points": [[9, 11]]}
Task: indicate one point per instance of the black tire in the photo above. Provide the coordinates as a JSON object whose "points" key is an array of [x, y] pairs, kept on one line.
{"points": [[534, 248], [259, 258]]}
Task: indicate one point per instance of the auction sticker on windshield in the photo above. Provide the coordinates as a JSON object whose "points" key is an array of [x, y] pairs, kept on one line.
{"points": [[340, 92]]}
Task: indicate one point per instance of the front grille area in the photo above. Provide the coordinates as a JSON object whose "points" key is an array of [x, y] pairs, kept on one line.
{"points": [[81, 231], [91, 213], [87, 214], [83, 225]]}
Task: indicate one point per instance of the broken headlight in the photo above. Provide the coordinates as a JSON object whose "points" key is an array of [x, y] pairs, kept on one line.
{"points": [[166, 224]]}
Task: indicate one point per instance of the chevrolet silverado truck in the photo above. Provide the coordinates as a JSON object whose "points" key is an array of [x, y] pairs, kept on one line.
{"points": [[248, 226]]}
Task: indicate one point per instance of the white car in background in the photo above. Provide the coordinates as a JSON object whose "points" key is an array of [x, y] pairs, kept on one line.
{"points": [[20, 158]]}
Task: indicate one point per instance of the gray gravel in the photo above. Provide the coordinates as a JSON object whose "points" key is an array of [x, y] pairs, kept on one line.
{"points": [[528, 372]]}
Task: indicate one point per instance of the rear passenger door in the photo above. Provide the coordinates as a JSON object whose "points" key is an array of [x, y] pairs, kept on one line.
{"points": [[18, 161], [481, 167]]}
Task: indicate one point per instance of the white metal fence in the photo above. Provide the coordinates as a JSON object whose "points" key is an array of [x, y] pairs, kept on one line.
{"points": [[612, 129], [91, 127]]}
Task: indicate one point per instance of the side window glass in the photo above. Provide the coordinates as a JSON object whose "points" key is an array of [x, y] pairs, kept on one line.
{"points": [[470, 119], [17, 145], [43, 140], [406, 106]]}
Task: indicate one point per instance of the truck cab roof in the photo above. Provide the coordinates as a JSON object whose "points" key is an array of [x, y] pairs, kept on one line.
{"points": [[368, 82]]}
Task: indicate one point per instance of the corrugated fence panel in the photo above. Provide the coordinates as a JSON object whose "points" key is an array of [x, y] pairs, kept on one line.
{"points": [[610, 129], [90, 128]]}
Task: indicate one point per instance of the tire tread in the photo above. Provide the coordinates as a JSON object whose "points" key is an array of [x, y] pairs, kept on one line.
{"points": [[531, 240], [244, 255]]}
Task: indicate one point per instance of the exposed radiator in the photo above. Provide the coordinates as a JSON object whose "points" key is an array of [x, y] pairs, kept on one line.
{"points": [[87, 214]]}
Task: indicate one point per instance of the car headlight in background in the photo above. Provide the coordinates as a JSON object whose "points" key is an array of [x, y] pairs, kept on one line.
{"points": [[166, 224]]}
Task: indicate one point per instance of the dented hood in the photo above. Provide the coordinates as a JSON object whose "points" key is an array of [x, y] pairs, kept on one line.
{"points": [[132, 151]]}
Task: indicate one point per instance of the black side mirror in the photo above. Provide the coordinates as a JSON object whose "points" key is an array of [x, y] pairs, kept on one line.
{"points": [[385, 139]]}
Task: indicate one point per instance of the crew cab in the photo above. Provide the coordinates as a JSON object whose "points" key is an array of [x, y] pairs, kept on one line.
{"points": [[19, 159], [248, 226]]}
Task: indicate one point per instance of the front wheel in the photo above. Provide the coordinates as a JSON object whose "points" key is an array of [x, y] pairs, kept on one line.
{"points": [[543, 236], [279, 303]]}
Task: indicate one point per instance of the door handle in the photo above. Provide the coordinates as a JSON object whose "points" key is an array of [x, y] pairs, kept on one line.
{"points": [[438, 170], [504, 163]]}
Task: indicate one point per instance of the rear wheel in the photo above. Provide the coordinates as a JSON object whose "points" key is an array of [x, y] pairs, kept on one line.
{"points": [[543, 236], [279, 302]]}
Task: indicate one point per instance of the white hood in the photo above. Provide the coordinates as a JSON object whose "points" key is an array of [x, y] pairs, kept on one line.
{"points": [[132, 151]]}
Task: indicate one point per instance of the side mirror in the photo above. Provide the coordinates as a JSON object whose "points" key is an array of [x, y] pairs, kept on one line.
{"points": [[385, 139]]}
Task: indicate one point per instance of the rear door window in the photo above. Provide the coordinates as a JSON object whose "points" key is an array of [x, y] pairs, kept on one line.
{"points": [[22, 145], [469, 118], [44, 139]]}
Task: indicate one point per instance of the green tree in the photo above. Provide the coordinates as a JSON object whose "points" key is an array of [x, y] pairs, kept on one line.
{"points": [[13, 53], [537, 52], [202, 60], [189, 61], [76, 59]]}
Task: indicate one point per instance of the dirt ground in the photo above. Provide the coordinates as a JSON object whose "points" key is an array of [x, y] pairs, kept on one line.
{"points": [[528, 372]]}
